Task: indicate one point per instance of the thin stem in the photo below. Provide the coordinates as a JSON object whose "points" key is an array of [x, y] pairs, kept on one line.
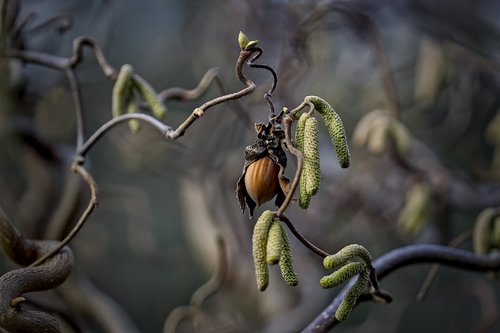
{"points": [[61, 63], [177, 93], [405, 256], [164, 129], [77, 57], [63, 22], [435, 268], [194, 310], [287, 122], [217, 279], [301, 237], [258, 53], [94, 199], [77, 102], [267, 96], [384, 65], [302, 105], [182, 94]]}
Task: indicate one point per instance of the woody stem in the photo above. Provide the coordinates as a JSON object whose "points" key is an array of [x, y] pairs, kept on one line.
{"points": [[287, 122]]}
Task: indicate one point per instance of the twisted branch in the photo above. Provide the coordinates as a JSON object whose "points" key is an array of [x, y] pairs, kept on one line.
{"points": [[19, 281]]}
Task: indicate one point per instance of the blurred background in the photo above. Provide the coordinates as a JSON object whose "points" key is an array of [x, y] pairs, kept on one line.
{"points": [[428, 68]]}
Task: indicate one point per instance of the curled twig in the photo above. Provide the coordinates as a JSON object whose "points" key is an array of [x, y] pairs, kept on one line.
{"points": [[94, 195], [268, 94], [199, 111], [194, 310]]}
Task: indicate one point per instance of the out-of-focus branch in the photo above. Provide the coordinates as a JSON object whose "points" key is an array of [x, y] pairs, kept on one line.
{"points": [[19, 281], [194, 310], [94, 195], [82, 295]]}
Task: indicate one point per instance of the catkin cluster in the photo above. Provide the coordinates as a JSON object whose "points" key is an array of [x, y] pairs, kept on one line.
{"points": [[306, 139], [123, 96], [377, 130], [346, 268], [335, 128], [270, 246], [416, 210]]}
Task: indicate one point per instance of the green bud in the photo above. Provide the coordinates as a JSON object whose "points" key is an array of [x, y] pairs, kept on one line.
{"points": [[342, 274], [242, 41], [274, 243], [286, 261], [122, 90], [245, 43], [259, 248], [352, 296], [347, 254], [251, 44], [335, 129], [312, 170], [150, 96]]}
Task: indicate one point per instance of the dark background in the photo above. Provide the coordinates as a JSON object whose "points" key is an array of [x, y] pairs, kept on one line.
{"points": [[150, 242]]}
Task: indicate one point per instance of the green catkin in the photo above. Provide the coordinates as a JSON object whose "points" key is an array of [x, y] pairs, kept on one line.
{"points": [[401, 138], [133, 124], [149, 95], [481, 236], [496, 232], [415, 213], [345, 255], [342, 274], [274, 243], [312, 170], [286, 261], [299, 132], [335, 129], [304, 197], [259, 248], [352, 296], [364, 128], [377, 143], [122, 90]]}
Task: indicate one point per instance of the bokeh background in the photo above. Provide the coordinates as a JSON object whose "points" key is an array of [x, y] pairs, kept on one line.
{"points": [[151, 242]]}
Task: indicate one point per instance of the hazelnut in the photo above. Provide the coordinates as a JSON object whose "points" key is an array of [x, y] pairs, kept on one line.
{"points": [[261, 180]]}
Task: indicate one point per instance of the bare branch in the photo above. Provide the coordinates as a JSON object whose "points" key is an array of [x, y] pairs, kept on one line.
{"points": [[94, 195]]}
